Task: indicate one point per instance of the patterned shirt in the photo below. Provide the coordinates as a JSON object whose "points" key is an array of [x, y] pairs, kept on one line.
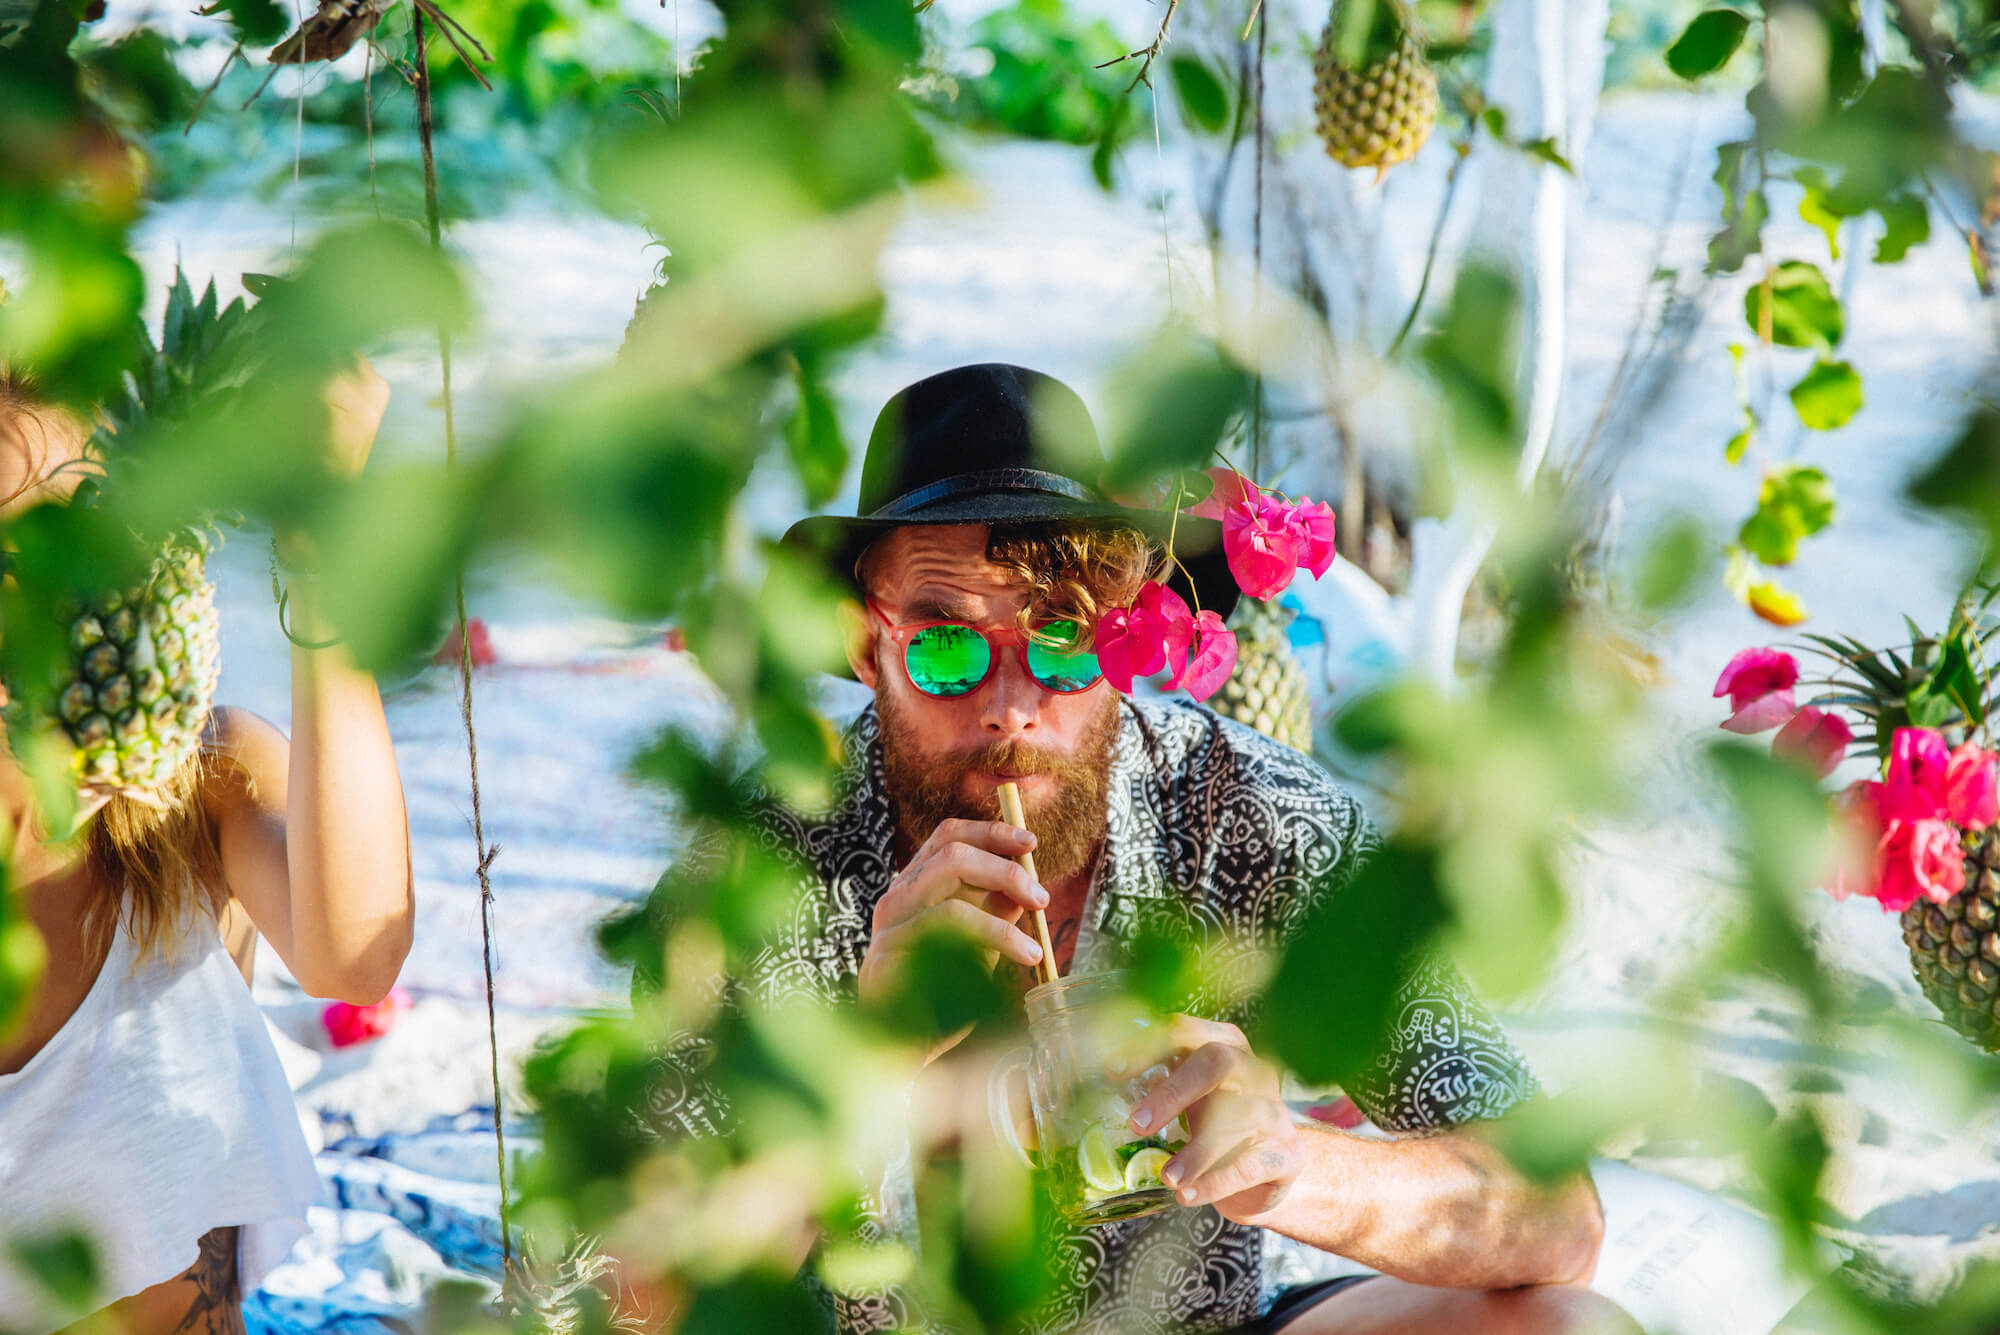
{"points": [[1217, 834]]}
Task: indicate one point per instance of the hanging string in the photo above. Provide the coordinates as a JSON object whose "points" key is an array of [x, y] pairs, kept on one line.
{"points": [[486, 855], [1257, 272], [298, 152], [1166, 236]]}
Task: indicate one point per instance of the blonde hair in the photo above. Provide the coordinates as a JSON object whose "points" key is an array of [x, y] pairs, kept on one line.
{"points": [[152, 862], [52, 441]]}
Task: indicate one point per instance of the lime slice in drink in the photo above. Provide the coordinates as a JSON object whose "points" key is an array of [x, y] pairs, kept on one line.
{"points": [[1144, 1169], [1098, 1159]]}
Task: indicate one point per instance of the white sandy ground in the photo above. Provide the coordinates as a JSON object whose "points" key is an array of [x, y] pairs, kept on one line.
{"points": [[1048, 271]]}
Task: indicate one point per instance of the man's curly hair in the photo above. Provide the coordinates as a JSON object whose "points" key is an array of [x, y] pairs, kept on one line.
{"points": [[1076, 571]]}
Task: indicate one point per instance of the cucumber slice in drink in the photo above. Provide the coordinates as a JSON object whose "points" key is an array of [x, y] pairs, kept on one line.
{"points": [[1098, 1159]]}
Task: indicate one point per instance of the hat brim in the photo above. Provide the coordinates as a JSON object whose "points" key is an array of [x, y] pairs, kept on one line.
{"points": [[1204, 579]]}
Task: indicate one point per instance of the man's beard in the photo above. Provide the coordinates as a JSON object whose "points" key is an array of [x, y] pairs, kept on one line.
{"points": [[925, 791]]}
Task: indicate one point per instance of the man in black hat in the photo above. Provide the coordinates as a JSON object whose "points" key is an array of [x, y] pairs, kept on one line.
{"points": [[979, 520]]}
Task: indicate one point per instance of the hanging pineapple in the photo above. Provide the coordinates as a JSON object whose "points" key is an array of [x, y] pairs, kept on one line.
{"points": [[141, 673], [132, 692], [1267, 691], [1377, 111]]}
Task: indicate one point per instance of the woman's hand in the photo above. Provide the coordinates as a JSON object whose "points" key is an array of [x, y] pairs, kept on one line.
{"points": [[355, 401]]}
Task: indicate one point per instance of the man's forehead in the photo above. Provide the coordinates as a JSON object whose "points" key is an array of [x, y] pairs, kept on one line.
{"points": [[943, 564]]}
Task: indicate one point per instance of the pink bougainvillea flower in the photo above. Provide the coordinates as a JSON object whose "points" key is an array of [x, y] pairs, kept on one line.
{"points": [[1918, 859], [1231, 488], [1314, 522], [1121, 654], [1814, 738], [1212, 660], [1969, 797], [1162, 615], [1155, 632], [1759, 685], [347, 1024], [1914, 787], [1262, 545], [1858, 832]]}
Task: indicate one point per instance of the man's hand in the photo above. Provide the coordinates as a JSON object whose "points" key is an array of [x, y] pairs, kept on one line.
{"points": [[964, 878], [1244, 1151]]}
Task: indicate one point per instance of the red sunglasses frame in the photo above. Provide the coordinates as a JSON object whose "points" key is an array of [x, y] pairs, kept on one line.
{"points": [[902, 634]]}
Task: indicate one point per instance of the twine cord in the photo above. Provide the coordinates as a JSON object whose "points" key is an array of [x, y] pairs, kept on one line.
{"points": [[486, 855]]}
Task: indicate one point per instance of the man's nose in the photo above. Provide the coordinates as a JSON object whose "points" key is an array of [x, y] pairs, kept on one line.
{"points": [[1012, 700]]}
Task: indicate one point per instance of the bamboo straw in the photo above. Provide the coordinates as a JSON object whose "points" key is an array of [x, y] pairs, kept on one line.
{"points": [[1010, 811]]}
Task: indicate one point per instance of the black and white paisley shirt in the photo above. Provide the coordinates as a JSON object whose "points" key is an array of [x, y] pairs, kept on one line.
{"points": [[1216, 833]]}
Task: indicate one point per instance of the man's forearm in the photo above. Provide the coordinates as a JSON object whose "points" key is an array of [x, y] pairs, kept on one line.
{"points": [[1445, 1210]]}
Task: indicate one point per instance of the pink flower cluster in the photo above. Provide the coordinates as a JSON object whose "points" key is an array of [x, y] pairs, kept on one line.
{"points": [[1264, 537], [1158, 631], [1904, 833]]}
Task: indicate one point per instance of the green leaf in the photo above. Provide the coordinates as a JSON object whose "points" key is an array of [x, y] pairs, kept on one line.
{"points": [[1812, 208], [1795, 502], [813, 439], [64, 1265], [1166, 410], [257, 22], [1909, 224], [1829, 395], [1804, 311], [1739, 444], [1674, 564], [1966, 478], [1707, 43], [1495, 121], [1546, 151], [1201, 94], [1333, 998]]}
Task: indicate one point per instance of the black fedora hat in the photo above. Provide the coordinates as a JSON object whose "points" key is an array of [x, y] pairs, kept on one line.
{"points": [[999, 444]]}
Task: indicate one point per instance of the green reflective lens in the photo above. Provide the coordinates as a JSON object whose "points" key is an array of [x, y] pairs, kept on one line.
{"points": [[948, 660], [1057, 660]]}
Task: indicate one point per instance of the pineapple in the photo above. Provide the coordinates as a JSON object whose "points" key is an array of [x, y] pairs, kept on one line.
{"points": [[137, 676], [140, 674], [1377, 113], [1267, 691], [1954, 946]]}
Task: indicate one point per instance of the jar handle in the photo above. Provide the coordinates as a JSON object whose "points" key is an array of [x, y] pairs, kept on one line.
{"points": [[1000, 1108]]}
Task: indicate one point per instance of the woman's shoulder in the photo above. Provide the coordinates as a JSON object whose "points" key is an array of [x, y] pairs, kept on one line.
{"points": [[249, 758]]}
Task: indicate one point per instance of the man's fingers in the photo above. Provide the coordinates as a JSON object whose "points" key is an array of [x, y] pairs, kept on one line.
{"points": [[946, 873], [995, 836], [968, 920], [1206, 1177], [1166, 1038], [1196, 1076]]}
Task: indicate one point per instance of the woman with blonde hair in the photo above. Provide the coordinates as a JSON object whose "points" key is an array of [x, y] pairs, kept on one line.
{"points": [[141, 1103]]}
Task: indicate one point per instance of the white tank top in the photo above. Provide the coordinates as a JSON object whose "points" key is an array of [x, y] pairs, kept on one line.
{"points": [[157, 1112]]}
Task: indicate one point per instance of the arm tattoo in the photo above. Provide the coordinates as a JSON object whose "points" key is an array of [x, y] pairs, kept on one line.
{"points": [[216, 1306]]}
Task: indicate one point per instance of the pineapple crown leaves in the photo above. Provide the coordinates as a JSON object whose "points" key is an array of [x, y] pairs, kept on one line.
{"points": [[1942, 682], [1365, 33], [205, 349]]}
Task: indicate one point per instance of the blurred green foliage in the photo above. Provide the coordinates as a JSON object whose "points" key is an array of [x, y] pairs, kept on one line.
{"points": [[774, 168]]}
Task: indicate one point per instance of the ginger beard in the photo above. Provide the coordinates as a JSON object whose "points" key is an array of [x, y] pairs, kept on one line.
{"points": [[924, 791]]}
